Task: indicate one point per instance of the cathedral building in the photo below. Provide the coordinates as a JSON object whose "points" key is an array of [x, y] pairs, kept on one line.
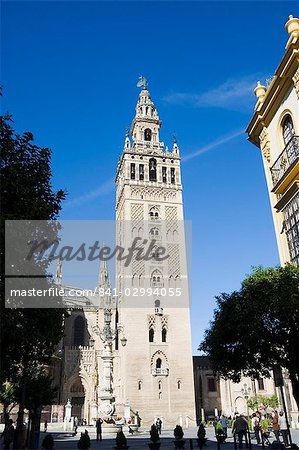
{"points": [[132, 356]]}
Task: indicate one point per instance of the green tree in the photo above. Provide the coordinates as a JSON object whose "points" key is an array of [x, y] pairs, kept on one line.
{"points": [[7, 398], [40, 391], [267, 401], [28, 336], [257, 327]]}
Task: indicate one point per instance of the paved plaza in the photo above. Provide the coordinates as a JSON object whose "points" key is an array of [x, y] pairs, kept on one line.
{"points": [[67, 441]]}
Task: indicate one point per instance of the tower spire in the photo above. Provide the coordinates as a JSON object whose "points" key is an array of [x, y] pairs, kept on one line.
{"points": [[104, 281], [146, 123], [58, 274], [175, 147], [127, 145]]}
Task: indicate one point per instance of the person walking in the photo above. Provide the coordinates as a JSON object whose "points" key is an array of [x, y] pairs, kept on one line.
{"points": [[256, 427], [224, 424], [138, 419], [45, 426], [240, 428], [8, 435], [275, 426], [159, 425], [99, 428], [76, 423], [283, 427], [215, 421]]}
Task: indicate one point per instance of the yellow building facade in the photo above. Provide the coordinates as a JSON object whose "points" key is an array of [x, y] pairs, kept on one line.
{"points": [[274, 128]]}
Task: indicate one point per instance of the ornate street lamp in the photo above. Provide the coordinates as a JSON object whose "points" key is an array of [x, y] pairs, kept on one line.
{"points": [[246, 391], [107, 336]]}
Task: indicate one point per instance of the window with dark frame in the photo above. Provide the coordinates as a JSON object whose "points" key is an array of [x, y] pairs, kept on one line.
{"points": [[164, 174], [79, 331], [212, 385], [132, 171], [153, 169], [261, 384], [141, 172], [151, 335], [172, 175], [164, 334]]}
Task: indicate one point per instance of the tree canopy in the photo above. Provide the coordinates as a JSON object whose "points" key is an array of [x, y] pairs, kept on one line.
{"points": [[29, 336], [267, 402], [257, 328]]}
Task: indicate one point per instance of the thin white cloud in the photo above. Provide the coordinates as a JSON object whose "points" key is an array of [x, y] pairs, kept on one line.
{"points": [[214, 144], [103, 189], [232, 94]]}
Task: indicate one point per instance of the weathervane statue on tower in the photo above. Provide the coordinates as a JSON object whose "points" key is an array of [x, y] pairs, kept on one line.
{"points": [[142, 82]]}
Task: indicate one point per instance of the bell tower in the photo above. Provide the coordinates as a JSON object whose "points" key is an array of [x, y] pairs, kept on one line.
{"points": [[155, 373]]}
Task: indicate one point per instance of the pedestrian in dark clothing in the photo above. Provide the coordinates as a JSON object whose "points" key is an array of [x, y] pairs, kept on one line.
{"points": [[8, 435], [76, 423], [99, 428], [45, 426], [159, 425], [240, 428], [138, 419]]}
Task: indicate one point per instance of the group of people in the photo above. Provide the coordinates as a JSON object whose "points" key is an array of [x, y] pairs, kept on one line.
{"points": [[279, 427], [241, 427], [220, 425]]}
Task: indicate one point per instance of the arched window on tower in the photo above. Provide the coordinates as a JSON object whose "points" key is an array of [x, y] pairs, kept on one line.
{"points": [[172, 175], [156, 278], [179, 384], [164, 334], [152, 169], [155, 233], [139, 385], [154, 213], [148, 134], [141, 172], [158, 363], [159, 385], [151, 335], [132, 171], [79, 331]]}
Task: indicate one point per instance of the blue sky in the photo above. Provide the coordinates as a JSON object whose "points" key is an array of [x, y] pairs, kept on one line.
{"points": [[69, 72]]}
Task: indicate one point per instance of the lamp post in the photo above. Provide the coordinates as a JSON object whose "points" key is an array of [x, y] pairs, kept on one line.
{"points": [[246, 391], [108, 336]]}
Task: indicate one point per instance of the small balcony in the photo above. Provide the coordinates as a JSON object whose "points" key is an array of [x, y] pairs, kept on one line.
{"points": [[158, 371], [158, 311], [287, 157]]}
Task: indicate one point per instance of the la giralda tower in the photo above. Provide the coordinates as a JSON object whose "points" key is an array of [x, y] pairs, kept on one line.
{"points": [[153, 372]]}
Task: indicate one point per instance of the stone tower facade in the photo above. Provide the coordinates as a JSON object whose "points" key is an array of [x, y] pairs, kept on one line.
{"points": [[132, 351], [154, 370]]}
